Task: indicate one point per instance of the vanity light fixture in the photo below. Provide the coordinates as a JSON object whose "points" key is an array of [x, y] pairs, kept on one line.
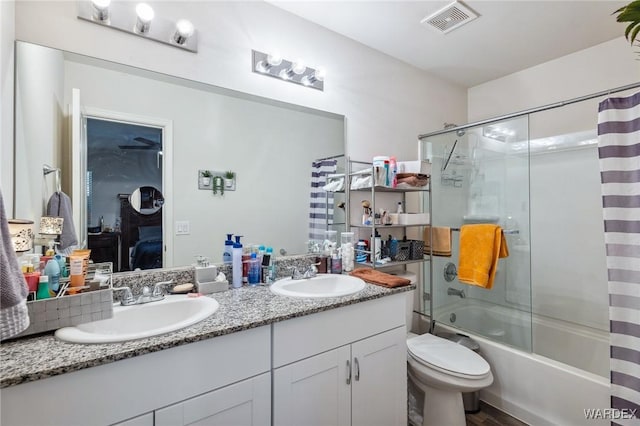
{"points": [[145, 16], [296, 71], [136, 19]]}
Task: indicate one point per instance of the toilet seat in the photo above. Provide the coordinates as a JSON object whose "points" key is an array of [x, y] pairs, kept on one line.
{"points": [[447, 357]]}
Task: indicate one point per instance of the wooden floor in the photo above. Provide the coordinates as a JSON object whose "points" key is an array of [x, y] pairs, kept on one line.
{"points": [[490, 416]]}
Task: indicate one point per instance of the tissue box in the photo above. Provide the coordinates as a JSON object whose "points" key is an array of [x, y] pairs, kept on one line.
{"points": [[212, 286], [413, 218]]}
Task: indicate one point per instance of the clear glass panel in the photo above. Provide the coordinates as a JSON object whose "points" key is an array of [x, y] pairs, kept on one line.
{"points": [[568, 262], [481, 175]]}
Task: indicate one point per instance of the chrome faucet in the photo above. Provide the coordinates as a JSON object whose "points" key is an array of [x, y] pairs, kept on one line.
{"points": [[454, 292], [310, 272], [147, 295]]}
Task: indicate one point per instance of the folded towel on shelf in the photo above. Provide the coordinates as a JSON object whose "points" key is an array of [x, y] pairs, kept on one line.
{"points": [[441, 238], [480, 247], [14, 316], [413, 179], [59, 205], [380, 278]]}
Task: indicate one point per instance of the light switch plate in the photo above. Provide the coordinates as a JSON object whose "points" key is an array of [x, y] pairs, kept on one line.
{"points": [[182, 227]]}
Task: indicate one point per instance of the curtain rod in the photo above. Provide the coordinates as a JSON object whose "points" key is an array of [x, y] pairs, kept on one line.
{"points": [[532, 110]]}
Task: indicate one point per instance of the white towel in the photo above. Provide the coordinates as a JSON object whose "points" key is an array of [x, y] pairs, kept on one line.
{"points": [[59, 205], [14, 317]]}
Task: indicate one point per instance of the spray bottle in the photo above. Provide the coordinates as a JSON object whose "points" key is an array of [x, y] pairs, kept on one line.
{"points": [[237, 263]]}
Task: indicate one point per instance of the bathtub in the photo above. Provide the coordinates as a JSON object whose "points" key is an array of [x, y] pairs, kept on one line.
{"points": [[567, 374]]}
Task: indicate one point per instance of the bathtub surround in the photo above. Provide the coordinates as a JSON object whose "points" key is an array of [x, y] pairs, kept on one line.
{"points": [[619, 153]]}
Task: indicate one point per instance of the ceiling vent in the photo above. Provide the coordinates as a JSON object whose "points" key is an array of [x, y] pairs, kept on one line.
{"points": [[449, 18]]}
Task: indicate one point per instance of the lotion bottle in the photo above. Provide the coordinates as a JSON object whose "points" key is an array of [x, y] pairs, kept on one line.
{"points": [[52, 270], [237, 263]]}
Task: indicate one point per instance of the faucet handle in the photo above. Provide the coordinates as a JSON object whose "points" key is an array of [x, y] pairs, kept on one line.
{"points": [[127, 299], [295, 273], [157, 288]]}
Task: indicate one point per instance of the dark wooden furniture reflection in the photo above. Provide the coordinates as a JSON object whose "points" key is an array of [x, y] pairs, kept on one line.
{"points": [[105, 247], [131, 221]]}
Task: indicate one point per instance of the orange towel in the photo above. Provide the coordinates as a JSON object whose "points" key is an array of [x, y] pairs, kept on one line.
{"points": [[380, 278], [441, 236], [480, 247]]}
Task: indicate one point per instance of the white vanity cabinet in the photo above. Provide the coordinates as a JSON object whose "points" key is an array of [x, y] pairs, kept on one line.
{"points": [[247, 403], [342, 367], [130, 390]]}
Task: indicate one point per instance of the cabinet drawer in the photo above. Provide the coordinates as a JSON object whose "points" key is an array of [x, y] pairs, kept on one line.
{"points": [[303, 337]]}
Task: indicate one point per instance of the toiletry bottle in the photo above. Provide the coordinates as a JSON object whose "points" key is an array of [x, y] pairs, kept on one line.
{"points": [[62, 262], [228, 248], [393, 247], [254, 270], [271, 276], [393, 165], [336, 262], [266, 263], [375, 247], [400, 210], [246, 256], [50, 251], [52, 270], [43, 288], [237, 263], [387, 173]]}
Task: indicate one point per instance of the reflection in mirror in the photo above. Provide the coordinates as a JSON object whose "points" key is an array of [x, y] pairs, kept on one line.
{"points": [[270, 145], [146, 200]]}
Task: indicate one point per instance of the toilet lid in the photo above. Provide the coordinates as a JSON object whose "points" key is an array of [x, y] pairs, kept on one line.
{"points": [[446, 355]]}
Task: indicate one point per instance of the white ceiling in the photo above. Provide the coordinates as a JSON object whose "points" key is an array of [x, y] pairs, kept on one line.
{"points": [[509, 35]]}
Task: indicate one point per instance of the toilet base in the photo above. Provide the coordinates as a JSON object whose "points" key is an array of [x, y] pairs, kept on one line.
{"points": [[440, 407]]}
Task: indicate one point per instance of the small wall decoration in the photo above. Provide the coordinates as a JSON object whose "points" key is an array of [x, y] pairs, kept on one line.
{"points": [[217, 182]]}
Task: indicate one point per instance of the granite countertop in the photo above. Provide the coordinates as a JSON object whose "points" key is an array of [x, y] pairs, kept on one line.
{"points": [[38, 357]]}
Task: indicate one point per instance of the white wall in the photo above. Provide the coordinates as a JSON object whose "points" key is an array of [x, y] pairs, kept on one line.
{"points": [[387, 103], [6, 103]]}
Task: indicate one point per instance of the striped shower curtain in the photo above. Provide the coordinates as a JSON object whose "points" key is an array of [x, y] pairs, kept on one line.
{"points": [[320, 202], [619, 152]]}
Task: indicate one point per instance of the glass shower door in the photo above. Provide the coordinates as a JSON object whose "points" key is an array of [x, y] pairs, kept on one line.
{"points": [[481, 175]]}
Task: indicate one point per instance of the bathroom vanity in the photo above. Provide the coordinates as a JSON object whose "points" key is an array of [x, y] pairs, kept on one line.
{"points": [[261, 359]]}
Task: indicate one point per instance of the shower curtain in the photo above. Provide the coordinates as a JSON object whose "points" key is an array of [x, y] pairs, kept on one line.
{"points": [[619, 153], [320, 202]]}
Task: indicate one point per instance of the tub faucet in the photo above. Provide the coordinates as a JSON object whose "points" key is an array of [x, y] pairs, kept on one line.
{"points": [[454, 292]]}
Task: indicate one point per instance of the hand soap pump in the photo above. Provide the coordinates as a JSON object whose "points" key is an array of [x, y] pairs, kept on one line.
{"points": [[237, 263], [227, 255]]}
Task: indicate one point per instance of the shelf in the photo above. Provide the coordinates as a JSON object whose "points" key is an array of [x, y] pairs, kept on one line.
{"points": [[388, 226], [393, 263], [396, 190]]}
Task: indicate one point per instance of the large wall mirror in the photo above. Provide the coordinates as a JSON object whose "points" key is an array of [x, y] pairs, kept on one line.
{"points": [[141, 129]]}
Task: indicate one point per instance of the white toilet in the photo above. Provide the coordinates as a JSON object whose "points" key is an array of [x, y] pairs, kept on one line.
{"points": [[443, 370]]}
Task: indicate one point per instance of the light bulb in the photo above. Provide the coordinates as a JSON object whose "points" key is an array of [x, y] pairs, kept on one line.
{"points": [[184, 30], [284, 74], [298, 67], [145, 16], [101, 10], [320, 74], [262, 67], [306, 81], [274, 59]]}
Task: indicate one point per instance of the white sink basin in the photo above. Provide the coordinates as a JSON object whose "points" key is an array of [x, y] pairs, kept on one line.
{"points": [[138, 321], [322, 285]]}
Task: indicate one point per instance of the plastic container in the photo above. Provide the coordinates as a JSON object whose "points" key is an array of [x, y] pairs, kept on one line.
{"points": [[227, 255], [237, 263], [379, 172], [52, 270], [268, 273], [254, 270], [43, 288], [330, 241], [393, 168], [64, 272], [336, 263]]}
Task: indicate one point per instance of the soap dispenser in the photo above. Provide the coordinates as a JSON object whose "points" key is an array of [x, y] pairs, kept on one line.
{"points": [[237, 263], [227, 255]]}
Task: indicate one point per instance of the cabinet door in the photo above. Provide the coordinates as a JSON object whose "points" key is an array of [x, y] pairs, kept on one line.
{"points": [[247, 403], [314, 391], [379, 393]]}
